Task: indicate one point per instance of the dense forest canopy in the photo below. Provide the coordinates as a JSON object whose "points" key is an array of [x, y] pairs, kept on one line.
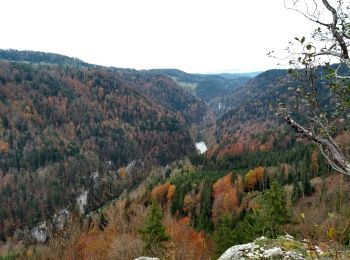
{"points": [[59, 124]]}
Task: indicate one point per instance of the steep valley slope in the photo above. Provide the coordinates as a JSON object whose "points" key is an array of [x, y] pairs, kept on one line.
{"points": [[63, 125]]}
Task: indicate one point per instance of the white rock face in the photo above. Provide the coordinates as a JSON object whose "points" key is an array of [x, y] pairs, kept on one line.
{"points": [[60, 218], [276, 251], [82, 201], [94, 176], [236, 251], [257, 250], [40, 233], [146, 258], [201, 147], [133, 167]]}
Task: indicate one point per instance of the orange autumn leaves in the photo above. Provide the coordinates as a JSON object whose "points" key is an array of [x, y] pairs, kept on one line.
{"points": [[225, 197], [253, 178], [233, 149], [187, 243], [4, 147], [95, 244], [163, 193], [226, 193], [171, 192]]}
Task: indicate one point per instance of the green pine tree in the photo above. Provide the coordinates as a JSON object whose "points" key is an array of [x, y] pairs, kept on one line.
{"points": [[153, 232], [297, 192], [204, 219], [276, 212], [290, 177], [281, 177], [251, 227], [308, 189], [103, 222], [305, 169], [224, 235]]}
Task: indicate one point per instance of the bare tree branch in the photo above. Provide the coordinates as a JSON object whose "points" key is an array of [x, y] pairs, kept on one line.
{"points": [[333, 28], [334, 155], [314, 19], [335, 34], [339, 76], [328, 53]]}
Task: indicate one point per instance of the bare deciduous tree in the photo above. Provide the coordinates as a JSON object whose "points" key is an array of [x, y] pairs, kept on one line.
{"points": [[329, 44]]}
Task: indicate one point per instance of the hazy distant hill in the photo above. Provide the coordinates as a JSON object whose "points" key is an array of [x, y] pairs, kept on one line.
{"points": [[218, 87], [239, 75], [266, 86], [180, 75], [206, 86], [40, 57]]}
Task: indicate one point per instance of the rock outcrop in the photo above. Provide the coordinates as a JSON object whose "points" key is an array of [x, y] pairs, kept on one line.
{"points": [[284, 247], [59, 219], [82, 202], [40, 233], [146, 258]]}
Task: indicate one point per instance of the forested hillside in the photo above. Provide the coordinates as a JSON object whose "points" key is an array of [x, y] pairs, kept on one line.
{"points": [[198, 210], [60, 124], [248, 120]]}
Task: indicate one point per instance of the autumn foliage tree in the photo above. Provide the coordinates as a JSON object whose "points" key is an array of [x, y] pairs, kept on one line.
{"points": [[95, 244], [160, 193], [171, 191], [4, 147], [186, 242], [189, 203], [249, 181], [253, 178], [225, 197]]}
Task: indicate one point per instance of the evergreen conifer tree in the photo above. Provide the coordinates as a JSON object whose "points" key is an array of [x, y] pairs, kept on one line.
{"points": [[281, 178], [290, 178], [251, 227], [224, 236], [275, 208], [308, 189], [103, 222], [153, 232], [204, 219], [297, 192], [305, 169]]}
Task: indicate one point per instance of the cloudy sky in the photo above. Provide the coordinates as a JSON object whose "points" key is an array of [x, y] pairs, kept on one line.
{"points": [[191, 35]]}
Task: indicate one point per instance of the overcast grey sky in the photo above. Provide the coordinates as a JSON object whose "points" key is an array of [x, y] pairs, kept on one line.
{"points": [[191, 35]]}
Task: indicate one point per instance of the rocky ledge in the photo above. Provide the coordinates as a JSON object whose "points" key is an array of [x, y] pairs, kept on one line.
{"points": [[284, 247]]}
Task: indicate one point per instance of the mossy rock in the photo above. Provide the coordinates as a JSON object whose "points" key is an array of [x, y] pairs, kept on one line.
{"points": [[284, 247]]}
